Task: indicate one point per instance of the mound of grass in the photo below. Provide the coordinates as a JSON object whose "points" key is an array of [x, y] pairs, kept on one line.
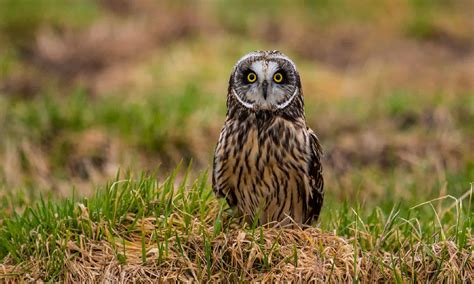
{"points": [[143, 229]]}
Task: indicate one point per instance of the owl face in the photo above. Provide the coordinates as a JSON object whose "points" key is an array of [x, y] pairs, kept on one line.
{"points": [[265, 80]]}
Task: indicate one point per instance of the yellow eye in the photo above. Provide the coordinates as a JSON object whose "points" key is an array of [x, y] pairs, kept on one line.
{"points": [[278, 78], [251, 77]]}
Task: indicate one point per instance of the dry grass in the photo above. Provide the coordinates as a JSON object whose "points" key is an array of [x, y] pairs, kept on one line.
{"points": [[138, 230], [286, 255]]}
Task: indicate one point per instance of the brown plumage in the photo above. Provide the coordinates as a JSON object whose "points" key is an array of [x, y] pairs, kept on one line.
{"points": [[267, 160]]}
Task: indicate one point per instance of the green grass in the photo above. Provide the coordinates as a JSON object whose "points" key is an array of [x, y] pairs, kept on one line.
{"points": [[422, 22], [321, 12], [20, 19], [146, 122], [168, 217], [173, 126], [153, 124]]}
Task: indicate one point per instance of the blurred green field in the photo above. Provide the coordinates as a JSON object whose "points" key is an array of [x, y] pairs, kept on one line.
{"points": [[90, 89]]}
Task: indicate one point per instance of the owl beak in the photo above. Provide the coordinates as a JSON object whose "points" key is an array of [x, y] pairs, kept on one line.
{"points": [[265, 88]]}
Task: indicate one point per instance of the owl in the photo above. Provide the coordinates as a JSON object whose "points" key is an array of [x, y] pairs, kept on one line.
{"points": [[267, 162]]}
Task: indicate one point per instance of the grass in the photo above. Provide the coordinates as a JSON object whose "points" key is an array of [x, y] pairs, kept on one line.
{"points": [[20, 20], [389, 97], [145, 123], [174, 229], [170, 126]]}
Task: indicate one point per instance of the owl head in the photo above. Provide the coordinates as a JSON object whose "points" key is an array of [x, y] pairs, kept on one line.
{"points": [[264, 80]]}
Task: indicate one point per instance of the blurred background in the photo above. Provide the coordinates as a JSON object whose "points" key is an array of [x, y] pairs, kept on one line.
{"points": [[90, 87]]}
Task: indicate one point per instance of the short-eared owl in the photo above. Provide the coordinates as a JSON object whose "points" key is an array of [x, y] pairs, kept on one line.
{"points": [[267, 160]]}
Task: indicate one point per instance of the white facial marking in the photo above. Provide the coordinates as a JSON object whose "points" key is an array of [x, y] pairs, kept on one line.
{"points": [[285, 104], [272, 68], [260, 68], [247, 105]]}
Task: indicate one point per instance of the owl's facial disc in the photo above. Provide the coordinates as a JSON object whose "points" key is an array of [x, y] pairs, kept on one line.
{"points": [[265, 84]]}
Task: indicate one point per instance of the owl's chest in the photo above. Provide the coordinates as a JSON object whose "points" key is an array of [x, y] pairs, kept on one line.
{"points": [[267, 155]]}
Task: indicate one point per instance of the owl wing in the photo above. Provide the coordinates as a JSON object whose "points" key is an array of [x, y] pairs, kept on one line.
{"points": [[219, 169], [316, 177]]}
